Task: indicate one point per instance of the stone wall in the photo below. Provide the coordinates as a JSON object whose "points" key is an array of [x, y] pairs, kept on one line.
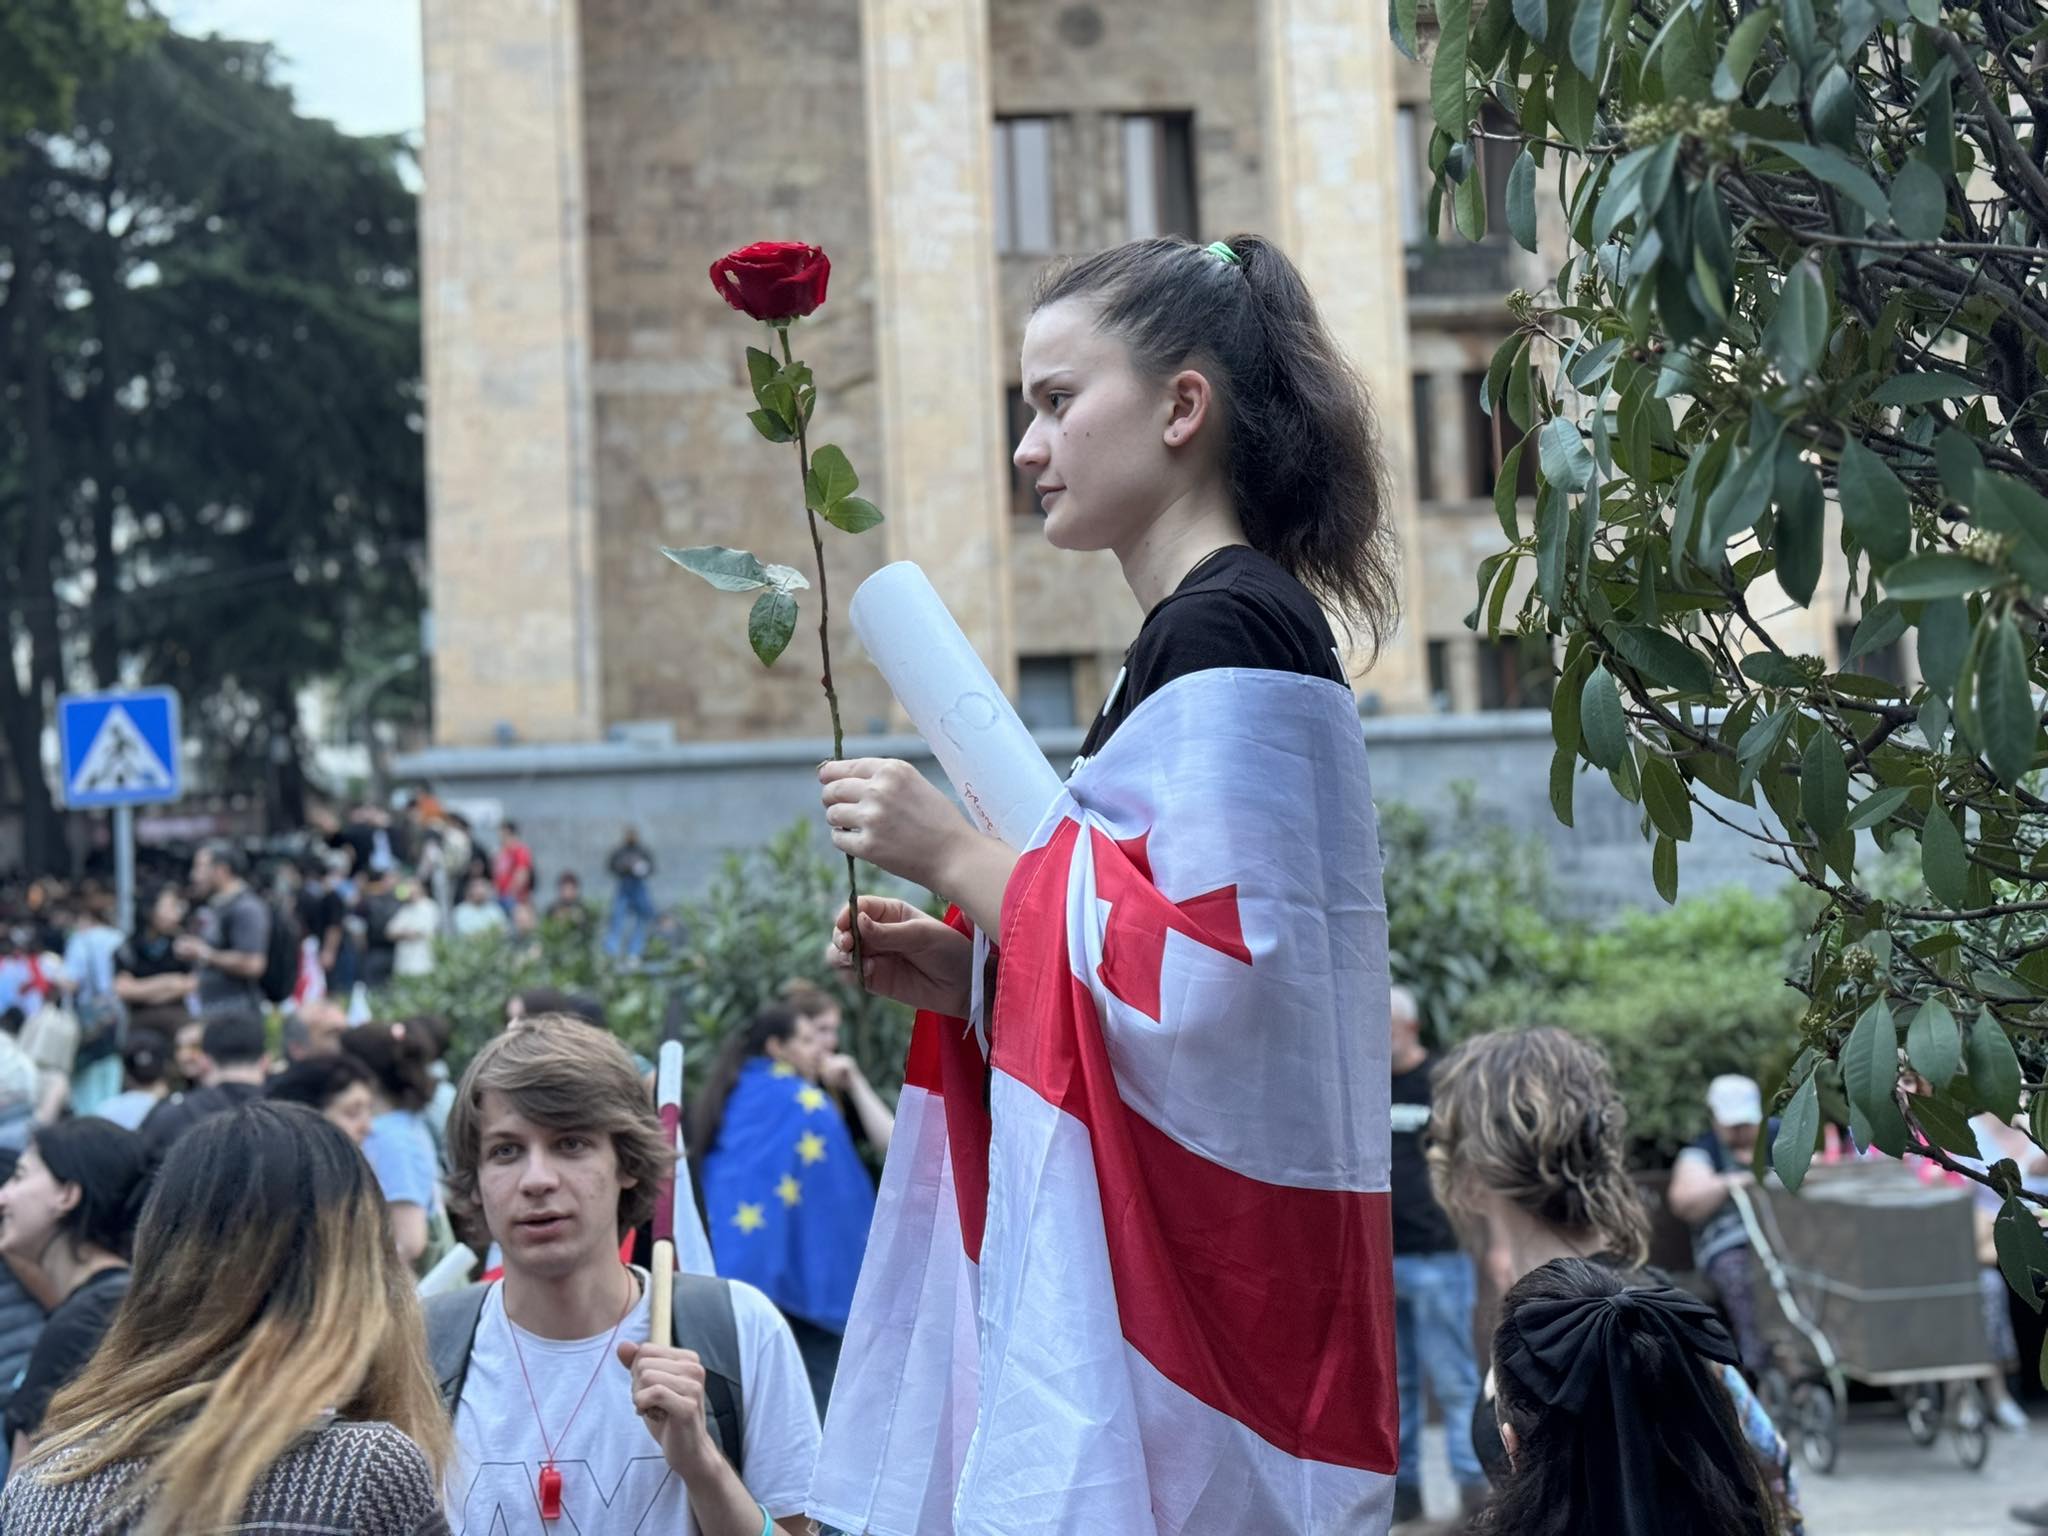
{"points": [[709, 126], [695, 804]]}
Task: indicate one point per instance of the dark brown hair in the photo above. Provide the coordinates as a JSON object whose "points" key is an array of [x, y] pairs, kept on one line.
{"points": [[776, 1022], [1301, 447], [559, 1072], [399, 1057]]}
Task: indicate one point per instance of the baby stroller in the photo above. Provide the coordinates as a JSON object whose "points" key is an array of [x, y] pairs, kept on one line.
{"points": [[1871, 1277]]}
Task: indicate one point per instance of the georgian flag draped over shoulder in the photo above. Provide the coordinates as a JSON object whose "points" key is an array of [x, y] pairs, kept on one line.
{"points": [[1133, 1271]]}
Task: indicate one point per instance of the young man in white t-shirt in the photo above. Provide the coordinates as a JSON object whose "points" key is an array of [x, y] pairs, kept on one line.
{"points": [[566, 1418]]}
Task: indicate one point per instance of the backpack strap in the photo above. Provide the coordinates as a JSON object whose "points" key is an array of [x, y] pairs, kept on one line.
{"points": [[452, 1319], [704, 1322]]}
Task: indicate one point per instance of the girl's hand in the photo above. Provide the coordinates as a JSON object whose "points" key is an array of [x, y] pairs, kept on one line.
{"points": [[908, 955], [884, 811]]}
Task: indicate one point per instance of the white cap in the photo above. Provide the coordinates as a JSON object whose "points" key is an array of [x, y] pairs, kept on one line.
{"points": [[1735, 1100]]}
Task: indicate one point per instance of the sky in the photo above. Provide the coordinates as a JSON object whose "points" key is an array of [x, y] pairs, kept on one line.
{"points": [[354, 61]]}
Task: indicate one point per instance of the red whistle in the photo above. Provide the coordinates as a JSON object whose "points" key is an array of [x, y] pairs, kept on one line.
{"points": [[550, 1494]]}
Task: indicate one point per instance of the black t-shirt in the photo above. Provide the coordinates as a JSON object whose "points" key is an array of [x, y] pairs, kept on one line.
{"points": [[177, 1115], [1236, 608], [1420, 1225], [149, 954], [67, 1341]]}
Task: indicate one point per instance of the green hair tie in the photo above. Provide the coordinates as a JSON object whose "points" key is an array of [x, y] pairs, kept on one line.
{"points": [[1224, 254]]}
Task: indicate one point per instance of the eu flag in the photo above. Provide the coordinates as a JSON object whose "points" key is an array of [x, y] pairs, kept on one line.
{"points": [[788, 1197]]}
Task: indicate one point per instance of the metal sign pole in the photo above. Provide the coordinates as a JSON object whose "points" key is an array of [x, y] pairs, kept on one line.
{"points": [[124, 868]]}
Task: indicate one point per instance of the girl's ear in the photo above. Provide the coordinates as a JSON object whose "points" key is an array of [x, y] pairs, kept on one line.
{"points": [[1190, 403]]}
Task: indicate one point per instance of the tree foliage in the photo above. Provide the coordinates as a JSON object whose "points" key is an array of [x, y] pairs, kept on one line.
{"points": [[1802, 299], [47, 48], [210, 449]]}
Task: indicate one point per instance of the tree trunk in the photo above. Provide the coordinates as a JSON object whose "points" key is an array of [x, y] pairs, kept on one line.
{"points": [[106, 469], [42, 828]]}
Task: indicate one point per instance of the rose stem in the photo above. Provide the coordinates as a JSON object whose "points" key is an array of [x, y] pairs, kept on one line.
{"points": [[803, 460]]}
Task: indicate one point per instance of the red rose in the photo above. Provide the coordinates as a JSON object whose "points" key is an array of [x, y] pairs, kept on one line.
{"points": [[772, 279]]}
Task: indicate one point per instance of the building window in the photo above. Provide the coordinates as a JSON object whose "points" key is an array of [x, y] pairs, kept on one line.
{"points": [[1410, 171], [1440, 676], [1159, 175], [1488, 439], [1885, 663], [1496, 159], [1016, 421], [1024, 184], [1514, 673], [1425, 431], [1045, 692]]}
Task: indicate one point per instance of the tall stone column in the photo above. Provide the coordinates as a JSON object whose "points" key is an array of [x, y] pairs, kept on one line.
{"points": [[1330, 110], [937, 336], [502, 236]]}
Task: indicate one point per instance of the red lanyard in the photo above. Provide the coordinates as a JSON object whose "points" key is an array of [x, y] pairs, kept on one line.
{"points": [[550, 1479]]}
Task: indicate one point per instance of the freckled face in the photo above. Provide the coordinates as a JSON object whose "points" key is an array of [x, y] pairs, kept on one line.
{"points": [[1096, 446]]}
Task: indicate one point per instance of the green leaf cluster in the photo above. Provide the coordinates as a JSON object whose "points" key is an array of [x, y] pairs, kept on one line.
{"points": [[1795, 355]]}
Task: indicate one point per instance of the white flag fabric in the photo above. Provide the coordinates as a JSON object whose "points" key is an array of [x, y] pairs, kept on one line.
{"points": [[1133, 1270]]}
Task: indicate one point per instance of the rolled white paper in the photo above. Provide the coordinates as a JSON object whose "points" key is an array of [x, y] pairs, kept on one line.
{"points": [[450, 1273], [947, 691]]}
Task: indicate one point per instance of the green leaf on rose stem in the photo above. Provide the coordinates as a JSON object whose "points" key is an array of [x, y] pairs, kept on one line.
{"points": [[1521, 200], [1938, 575], [1567, 461], [1933, 1043], [2022, 1249], [1733, 71], [1798, 1134], [1993, 1067], [1664, 869], [729, 570], [1447, 97], [1823, 786], [1870, 1072], [1874, 504], [769, 427], [1919, 201], [830, 479], [852, 514], [1799, 329], [760, 369], [2005, 702], [770, 625], [779, 401], [1601, 721], [1875, 810], [1664, 797], [1943, 862]]}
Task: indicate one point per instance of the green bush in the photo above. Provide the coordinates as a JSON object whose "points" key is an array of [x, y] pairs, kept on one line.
{"points": [[763, 920], [1674, 996]]}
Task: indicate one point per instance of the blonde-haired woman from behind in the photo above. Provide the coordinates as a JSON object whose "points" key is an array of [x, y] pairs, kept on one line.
{"points": [[267, 1371], [1527, 1145]]}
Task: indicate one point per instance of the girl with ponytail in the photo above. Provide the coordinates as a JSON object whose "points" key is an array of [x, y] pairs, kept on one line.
{"points": [[1193, 415]]}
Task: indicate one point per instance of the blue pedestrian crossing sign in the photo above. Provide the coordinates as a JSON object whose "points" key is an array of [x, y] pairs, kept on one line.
{"points": [[119, 748]]}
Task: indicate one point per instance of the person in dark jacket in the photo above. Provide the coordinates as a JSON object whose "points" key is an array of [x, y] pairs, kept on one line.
{"points": [[632, 866], [234, 1061]]}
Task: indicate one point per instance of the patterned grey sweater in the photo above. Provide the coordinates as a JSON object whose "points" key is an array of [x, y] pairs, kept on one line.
{"points": [[339, 1480]]}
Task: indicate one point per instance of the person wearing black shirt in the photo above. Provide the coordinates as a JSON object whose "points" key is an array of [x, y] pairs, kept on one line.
{"points": [[70, 1209], [1433, 1283], [234, 1061], [150, 976]]}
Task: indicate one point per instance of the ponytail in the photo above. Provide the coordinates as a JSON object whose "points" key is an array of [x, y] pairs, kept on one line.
{"points": [[1302, 451]]}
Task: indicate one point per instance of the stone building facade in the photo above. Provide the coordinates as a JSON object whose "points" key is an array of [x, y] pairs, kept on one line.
{"points": [[585, 161]]}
